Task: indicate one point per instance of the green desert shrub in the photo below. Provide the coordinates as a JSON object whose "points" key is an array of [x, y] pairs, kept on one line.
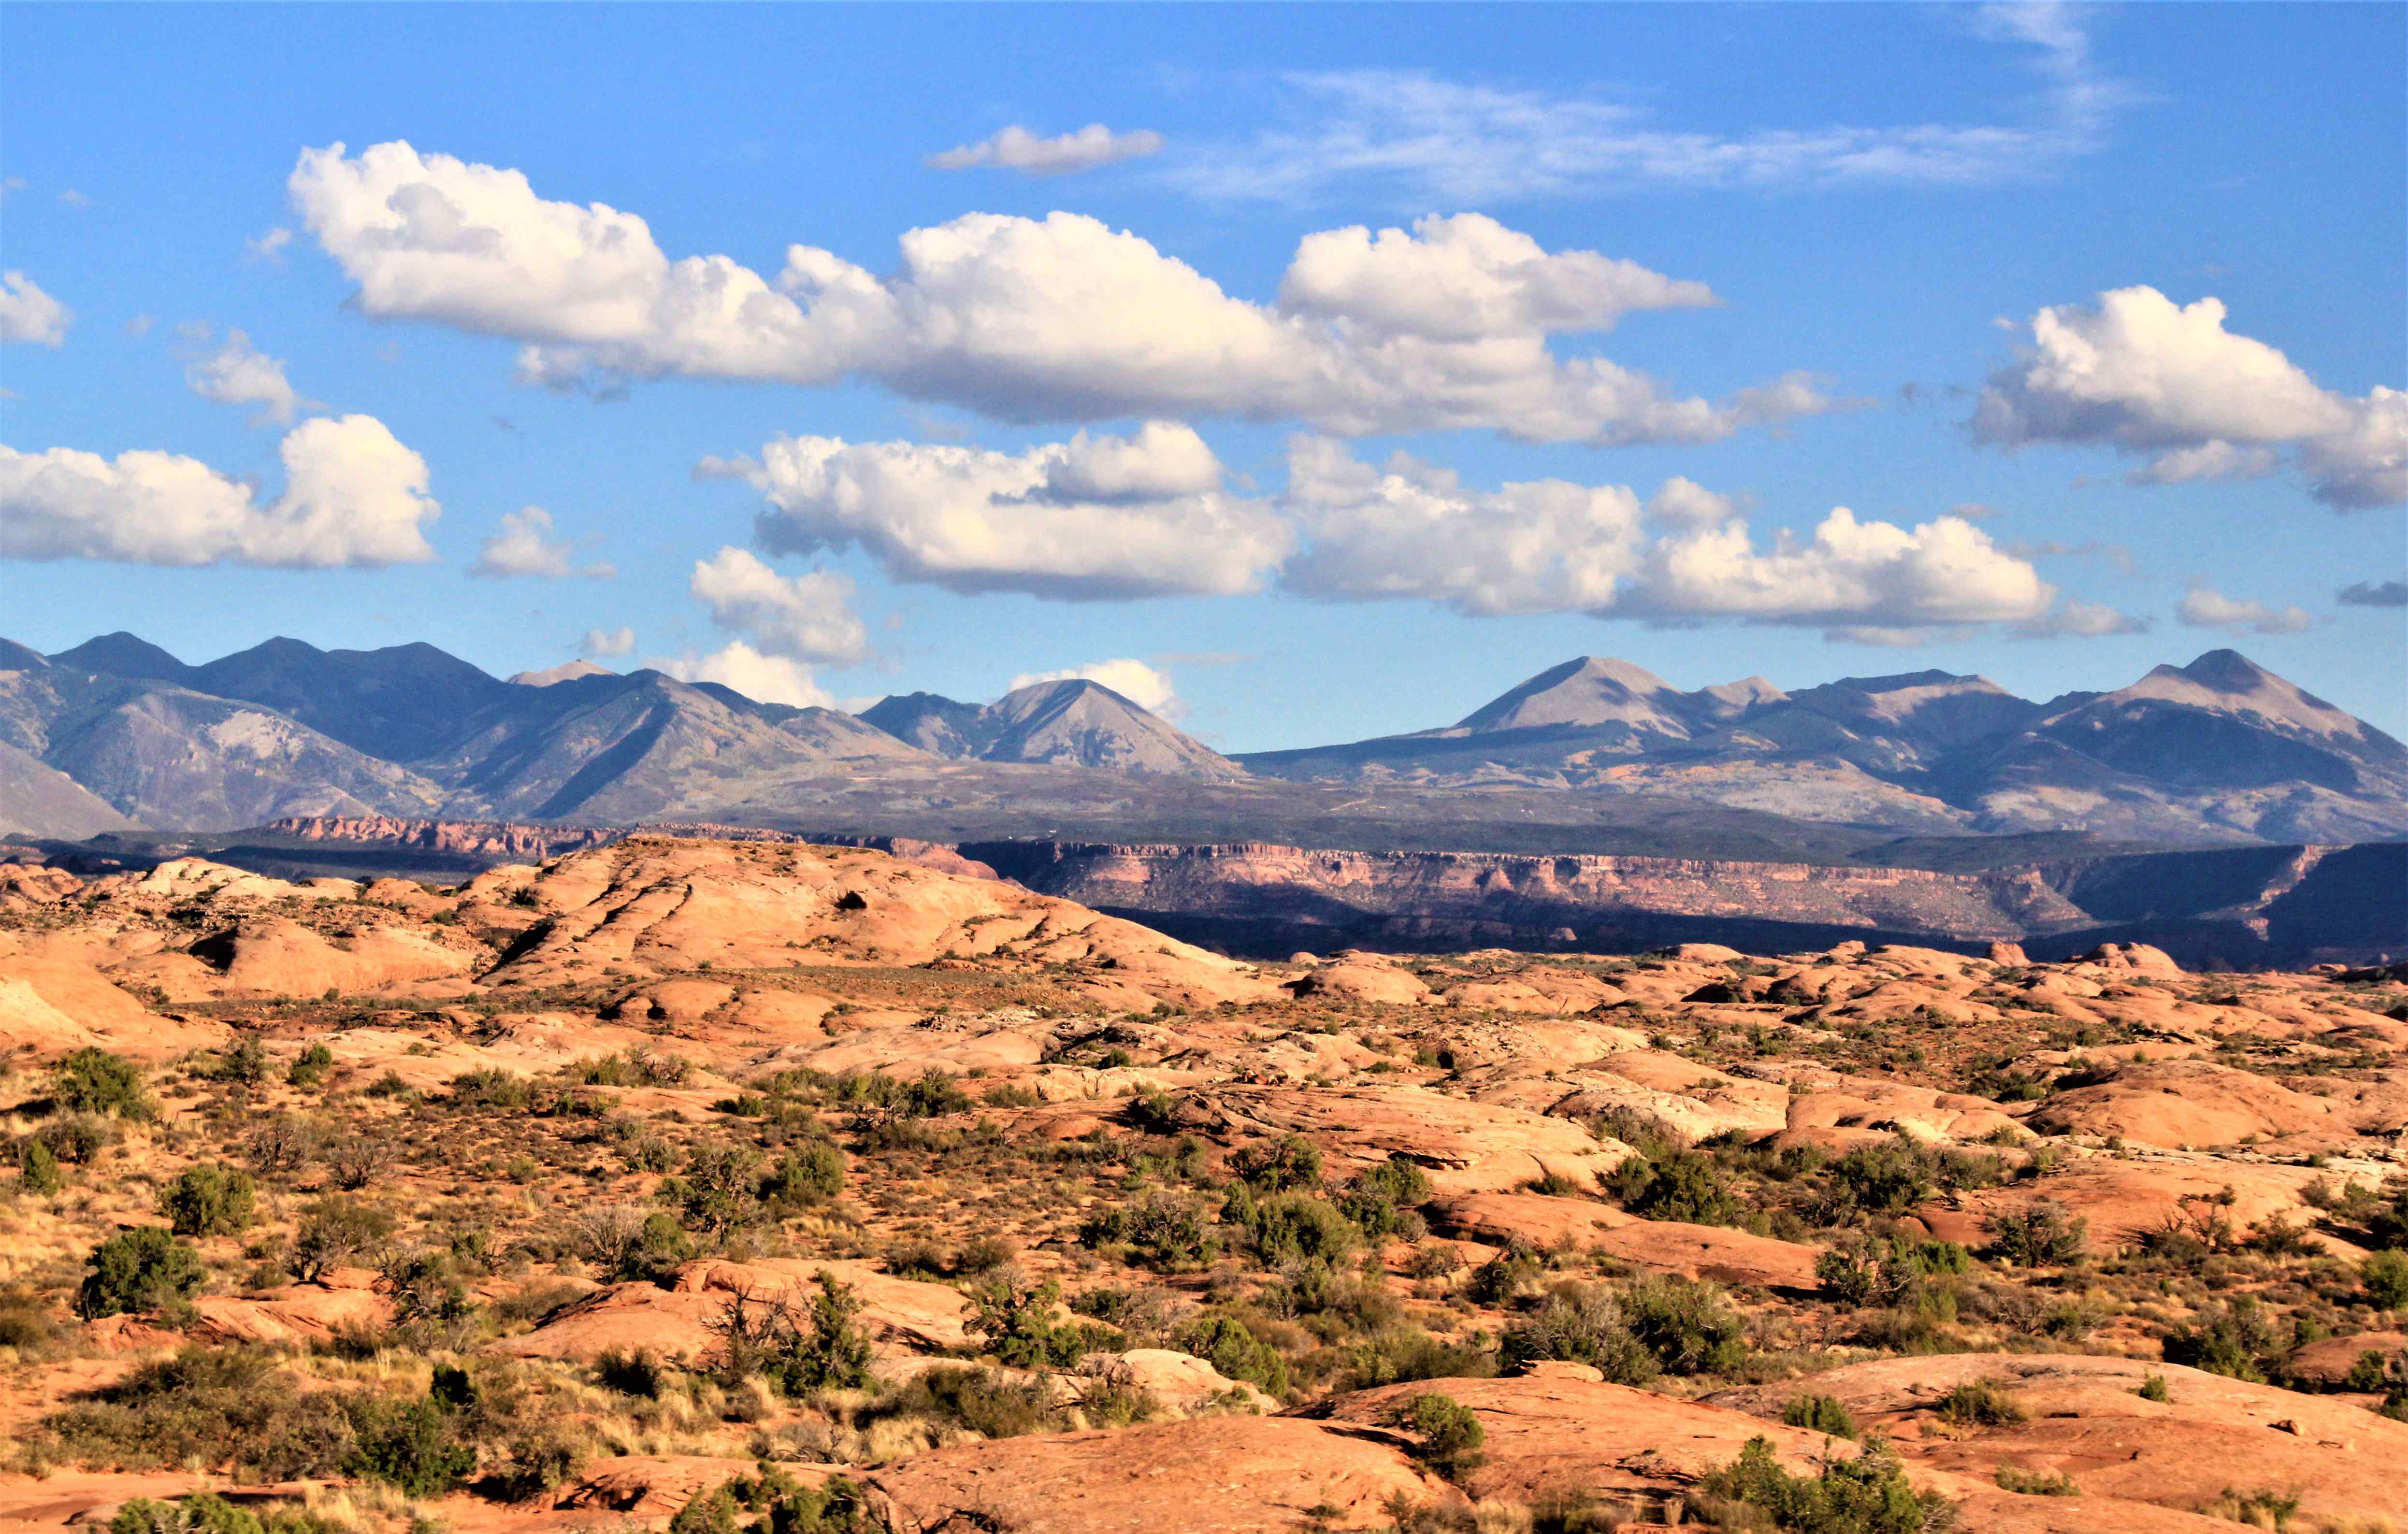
{"points": [[1381, 1199], [2042, 1234], [1819, 1414], [1291, 1227], [1688, 1324], [37, 1168], [333, 1231], [1867, 1495], [1226, 1342], [1685, 1185], [987, 1403], [2384, 1277], [813, 1174], [93, 1081], [207, 1199], [2234, 1339], [144, 1269], [228, 1407], [798, 1346], [412, 1446], [1280, 1166], [1017, 1320], [773, 1502], [310, 1067], [1582, 1324], [1981, 1403], [1168, 1232], [1448, 1434]]}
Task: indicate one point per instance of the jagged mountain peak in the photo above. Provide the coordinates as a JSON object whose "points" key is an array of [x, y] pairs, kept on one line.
{"points": [[123, 655], [2226, 681], [1069, 722], [1746, 693], [1589, 690], [1079, 722], [568, 671], [928, 720]]}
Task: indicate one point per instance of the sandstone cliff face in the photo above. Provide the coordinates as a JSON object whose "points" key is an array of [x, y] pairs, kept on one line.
{"points": [[1504, 896], [497, 838]]}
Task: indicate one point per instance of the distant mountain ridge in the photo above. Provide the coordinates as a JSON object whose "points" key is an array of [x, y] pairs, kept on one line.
{"points": [[2220, 749], [118, 733], [1073, 722]]}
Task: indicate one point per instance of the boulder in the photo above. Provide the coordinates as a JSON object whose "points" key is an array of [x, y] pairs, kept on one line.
{"points": [[661, 907], [2084, 1419], [1356, 981], [1730, 1257], [296, 1315], [1465, 1147], [2330, 1362], [2175, 1104], [654, 1485], [273, 955], [1179, 1381], [675, 1322], [1211, 1475]]}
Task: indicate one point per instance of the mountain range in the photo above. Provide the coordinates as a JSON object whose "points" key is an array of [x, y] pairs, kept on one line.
{"points": [[2218, 750], [117, 733]]}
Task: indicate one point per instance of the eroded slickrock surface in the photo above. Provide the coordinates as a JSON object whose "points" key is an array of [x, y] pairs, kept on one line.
{"points": [[1120, 1233]]}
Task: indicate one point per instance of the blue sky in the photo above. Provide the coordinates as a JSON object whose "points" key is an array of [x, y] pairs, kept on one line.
{"points": [[1844, 256]]}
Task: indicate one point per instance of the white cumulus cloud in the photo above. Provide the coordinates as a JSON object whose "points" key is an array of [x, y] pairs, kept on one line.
{"points": [[2203, 606], [1680, 502], [763, 678], [354, 495], [608, 643], [1017, 149], [269, 248], [2213, 459], [1411, 530], [1941, 572], [2366, 463], [2145, 375], [1148, 687], [524, 546], [805, 616], [1059, 318], [1094, 517], [29, 315], [236, 374], [2074, 618]]}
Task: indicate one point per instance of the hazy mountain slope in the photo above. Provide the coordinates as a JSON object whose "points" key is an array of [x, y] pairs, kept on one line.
{"points": [[620, 748], [1085, 724], [39, 800], [933, 723], [169, 757], [1932, 713], [1588, 690], [401, 703], [2218, 746], [2219, 750], [568, 671], [123, 655], [1063, 723]]}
